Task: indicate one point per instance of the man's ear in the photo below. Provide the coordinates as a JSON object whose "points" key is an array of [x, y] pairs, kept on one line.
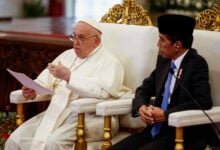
{"points": [[178, 44], [97, 40]]}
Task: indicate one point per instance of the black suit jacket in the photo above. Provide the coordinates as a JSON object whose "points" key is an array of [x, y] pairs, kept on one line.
{"points": [[193, 74]]}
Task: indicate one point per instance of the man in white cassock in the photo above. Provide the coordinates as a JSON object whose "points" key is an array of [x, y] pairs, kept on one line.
{"points": [[87, 70]]}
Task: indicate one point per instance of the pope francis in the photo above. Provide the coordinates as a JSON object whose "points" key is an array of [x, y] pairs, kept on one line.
{"points": [[87, 70]]}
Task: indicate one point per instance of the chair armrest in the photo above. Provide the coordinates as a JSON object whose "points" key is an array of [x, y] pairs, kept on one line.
{"points": [[85, 105], [121, 107], [194, 117], [17, 98], [114, 107]]}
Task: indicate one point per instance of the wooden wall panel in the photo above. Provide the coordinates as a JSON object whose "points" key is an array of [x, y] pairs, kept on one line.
{"points": [[28, 53]]}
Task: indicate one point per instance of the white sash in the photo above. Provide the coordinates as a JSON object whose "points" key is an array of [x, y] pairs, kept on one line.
{"points": [[58, 104], [52, 115]]}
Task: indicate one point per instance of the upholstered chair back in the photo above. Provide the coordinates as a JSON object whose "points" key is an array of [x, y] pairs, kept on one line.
{"points": [[136, 47], [207, 44]]}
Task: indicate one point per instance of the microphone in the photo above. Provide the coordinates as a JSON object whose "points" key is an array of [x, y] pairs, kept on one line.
{"points": [[195, 102]]}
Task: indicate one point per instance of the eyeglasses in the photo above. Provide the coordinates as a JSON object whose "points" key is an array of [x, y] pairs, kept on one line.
{"points": [[79, 38]]}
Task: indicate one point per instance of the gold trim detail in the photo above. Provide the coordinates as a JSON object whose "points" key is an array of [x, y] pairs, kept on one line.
{"points": [[209, 19], [127, 13]]}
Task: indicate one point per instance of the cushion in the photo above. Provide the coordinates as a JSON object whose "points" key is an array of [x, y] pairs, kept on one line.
{"points": [[135, 46], [208, 45]]}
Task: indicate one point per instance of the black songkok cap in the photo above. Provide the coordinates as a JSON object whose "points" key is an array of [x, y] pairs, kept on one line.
{"points": [[177, 25]]}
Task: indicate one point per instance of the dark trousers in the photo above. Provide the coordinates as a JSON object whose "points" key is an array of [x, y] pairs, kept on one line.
{"points": [[163, 141], [144, 141]]}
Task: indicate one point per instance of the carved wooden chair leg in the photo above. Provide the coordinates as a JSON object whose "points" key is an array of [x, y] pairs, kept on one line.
{"points": [[107, 133], [179, 139], [19, 115], [80, 143]]}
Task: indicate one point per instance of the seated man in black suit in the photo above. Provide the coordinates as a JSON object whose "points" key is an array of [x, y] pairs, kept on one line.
{"points": [[177, 63]]}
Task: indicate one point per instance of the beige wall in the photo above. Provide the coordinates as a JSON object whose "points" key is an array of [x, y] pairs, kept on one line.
{"points": [[13, 8], [10, 8]]}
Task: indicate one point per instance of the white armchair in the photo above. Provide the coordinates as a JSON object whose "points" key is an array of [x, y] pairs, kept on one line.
{"points": [[207, 43], [135, 46]]}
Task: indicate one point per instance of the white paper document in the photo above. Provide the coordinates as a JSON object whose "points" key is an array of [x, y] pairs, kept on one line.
{"points": [[28, 82]]}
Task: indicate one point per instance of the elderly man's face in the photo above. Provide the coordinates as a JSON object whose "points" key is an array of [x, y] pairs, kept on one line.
{"points": [[85, 39], [166, 48]]}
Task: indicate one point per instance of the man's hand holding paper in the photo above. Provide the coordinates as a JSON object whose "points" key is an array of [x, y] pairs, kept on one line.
{"points": [[28, 93]]}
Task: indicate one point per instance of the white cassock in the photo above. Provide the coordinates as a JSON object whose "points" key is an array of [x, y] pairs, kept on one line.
{"points": [[100, 75]]}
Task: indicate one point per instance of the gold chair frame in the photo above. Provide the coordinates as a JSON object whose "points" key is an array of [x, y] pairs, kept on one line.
{"points": [[209, 19], [127, 13]]}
